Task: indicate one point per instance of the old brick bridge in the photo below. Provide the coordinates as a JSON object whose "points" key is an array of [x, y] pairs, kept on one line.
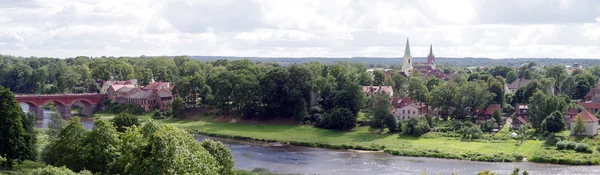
{"points": [[63, 102]]}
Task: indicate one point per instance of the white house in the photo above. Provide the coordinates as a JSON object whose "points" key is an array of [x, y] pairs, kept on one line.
{"points": [[591, 123], [405, 108], [370, 90]]}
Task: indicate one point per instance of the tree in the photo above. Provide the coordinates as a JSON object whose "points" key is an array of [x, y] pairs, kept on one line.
{"points": [[417, 89], [380, 112], [378, 78], [554, 123], [178, 107], [470, 97], [432, 83], [68, 148], [569, 87], [124, 121], [417, 126], [497, 116], [511, 76], [100, 146], [165, 149], [496, 87], [51, 170], [222, 154], [579, 125], [443, 96], [15, 136], [542, 105], [365, 79], [400, 83], [55, 124], [470, 131], [558, 72], [339, 119]]}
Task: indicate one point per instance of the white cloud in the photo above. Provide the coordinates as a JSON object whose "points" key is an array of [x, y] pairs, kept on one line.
{"points": [[300, 28]]}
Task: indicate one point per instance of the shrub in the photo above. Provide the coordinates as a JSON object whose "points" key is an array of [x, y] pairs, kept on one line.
{"points": [[130, 108], [124, 121], [582, 147], [561, 145], [571, 145], [518, 156], [417, 127], [598, 148]]}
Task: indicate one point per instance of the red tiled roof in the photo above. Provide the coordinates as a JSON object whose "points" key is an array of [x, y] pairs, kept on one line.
{"points": [[522, 120], [572, 111], [586, 116], [402, 102], [490, 109], [116, 87], [164, 93], [158, 86], [589, 105]]}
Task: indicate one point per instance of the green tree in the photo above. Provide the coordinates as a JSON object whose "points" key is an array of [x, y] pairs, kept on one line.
{"points": [[542, 105], [579, 125], [400, 83], [51, 170], [381, 112], [339, 119], [417, 126], [365, 79], [124, 121], [511, 77], [497, 116], [443, 96], [470, 97], [165, 149], [433, 82], [55, 125], [558, 72], [100, 147], [569, 87], [222, 154], [378, 78], [417, 89], [554, 123], [178, 107], [68, 148], [15, 134]]}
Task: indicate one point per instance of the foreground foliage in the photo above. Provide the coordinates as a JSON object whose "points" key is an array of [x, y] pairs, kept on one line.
{"points": [[17, 136], [153, 148]]}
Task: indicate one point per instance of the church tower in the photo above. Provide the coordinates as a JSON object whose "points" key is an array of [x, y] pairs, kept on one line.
{"points": [[431, 57], [407, 65]]}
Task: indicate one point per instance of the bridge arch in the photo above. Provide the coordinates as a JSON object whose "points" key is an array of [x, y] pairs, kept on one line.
{"points": [[63, 103]]}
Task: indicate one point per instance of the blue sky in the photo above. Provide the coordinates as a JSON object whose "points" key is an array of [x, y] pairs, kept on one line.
{"points": [[300, 28]]}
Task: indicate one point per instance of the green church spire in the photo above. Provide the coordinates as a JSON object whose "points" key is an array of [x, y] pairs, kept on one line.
{"points": [[407, 49]]}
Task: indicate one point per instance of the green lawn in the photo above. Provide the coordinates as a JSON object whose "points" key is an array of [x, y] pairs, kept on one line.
{"points": [[360, 136]]}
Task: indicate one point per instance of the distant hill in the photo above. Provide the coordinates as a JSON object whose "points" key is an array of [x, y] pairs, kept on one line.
{"points": [[461, 62]]}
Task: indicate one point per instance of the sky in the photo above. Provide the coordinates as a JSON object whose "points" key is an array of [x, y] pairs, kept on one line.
{"points": [[301, 28]]}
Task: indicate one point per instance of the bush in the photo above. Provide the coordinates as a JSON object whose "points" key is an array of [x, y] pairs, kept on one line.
{"points": [[124, 121], [571, 145], [130, 108], [518, 156], [582, 147], [50, 170], [561, 145], [417, 127]]}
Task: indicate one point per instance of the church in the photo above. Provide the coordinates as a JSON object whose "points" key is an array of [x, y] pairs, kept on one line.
{"points": [[427, 69]]}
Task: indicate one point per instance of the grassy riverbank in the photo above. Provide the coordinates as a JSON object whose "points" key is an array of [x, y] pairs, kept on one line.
{"points": [[430, 145]]}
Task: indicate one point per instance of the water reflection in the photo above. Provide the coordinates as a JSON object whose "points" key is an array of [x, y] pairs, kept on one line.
{"points": [[88, 123]]}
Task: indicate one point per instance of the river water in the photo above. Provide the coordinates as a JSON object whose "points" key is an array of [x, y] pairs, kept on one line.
{"points": [[283, 158], [294, 159]]}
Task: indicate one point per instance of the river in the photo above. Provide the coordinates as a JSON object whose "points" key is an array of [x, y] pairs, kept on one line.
{"points": [[304, 160], [294, 159]]}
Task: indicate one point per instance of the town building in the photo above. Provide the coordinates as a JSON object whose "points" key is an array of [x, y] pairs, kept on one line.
{"points": [[370, 90], [591, 123], [156, 95], [571, 113], [406, 108], [105, 85], [522, 110], [517, 122], [592, 100], [515, 85], [486, 114], [427, 69]]}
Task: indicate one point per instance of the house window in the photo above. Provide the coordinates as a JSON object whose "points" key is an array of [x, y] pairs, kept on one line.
{"points": [[414, 112], [403, 111]]}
